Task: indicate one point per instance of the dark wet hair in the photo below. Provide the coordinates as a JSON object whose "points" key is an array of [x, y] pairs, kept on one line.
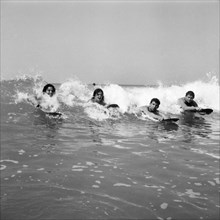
{"points": [[49, 85], [155, 100], [191, 93], [96, 92]]}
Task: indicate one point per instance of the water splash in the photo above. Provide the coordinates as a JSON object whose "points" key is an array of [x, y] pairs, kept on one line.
{"points": [[73, 92]]}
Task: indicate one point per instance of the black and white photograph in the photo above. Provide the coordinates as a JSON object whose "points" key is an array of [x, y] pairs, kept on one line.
{"points": [[110, 109]]}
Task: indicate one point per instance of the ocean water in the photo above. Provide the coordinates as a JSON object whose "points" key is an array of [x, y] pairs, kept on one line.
{"points": [[97, 164]]}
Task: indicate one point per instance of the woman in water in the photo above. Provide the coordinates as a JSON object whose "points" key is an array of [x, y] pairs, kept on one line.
{"points": [[46, 101], [98, 97]]}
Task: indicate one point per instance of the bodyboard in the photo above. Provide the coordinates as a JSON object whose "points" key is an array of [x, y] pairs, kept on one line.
{"points": [[50, 114], [206, 111], [54, 114], [171, 120], [113, 106]]}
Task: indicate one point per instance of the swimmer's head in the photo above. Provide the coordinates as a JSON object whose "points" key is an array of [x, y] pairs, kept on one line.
{"points": [[49, 89], [189, 96], [98, 96], [154, 105]]}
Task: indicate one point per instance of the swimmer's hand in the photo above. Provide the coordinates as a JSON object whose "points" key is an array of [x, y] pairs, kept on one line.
{"points": [[33, 101], [164, 117], [198, 109], [161, 119]]}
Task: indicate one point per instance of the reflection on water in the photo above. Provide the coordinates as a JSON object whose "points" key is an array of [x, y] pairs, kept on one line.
{"points": [[194, 127]]}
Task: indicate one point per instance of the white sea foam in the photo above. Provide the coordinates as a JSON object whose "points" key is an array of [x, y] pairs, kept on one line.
{"points": [[200, 151], [7, 160], [89, 163], [164, 205], [120, 147], [128, 97], [122, 184], [78, 170], [74, 92], [2, 167]]}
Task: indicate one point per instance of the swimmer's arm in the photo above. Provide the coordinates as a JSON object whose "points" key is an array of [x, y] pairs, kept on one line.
{"points": [[34, 101], [140, 110], [90, 101], [158, 116], [162, 116], [153, 115]]}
